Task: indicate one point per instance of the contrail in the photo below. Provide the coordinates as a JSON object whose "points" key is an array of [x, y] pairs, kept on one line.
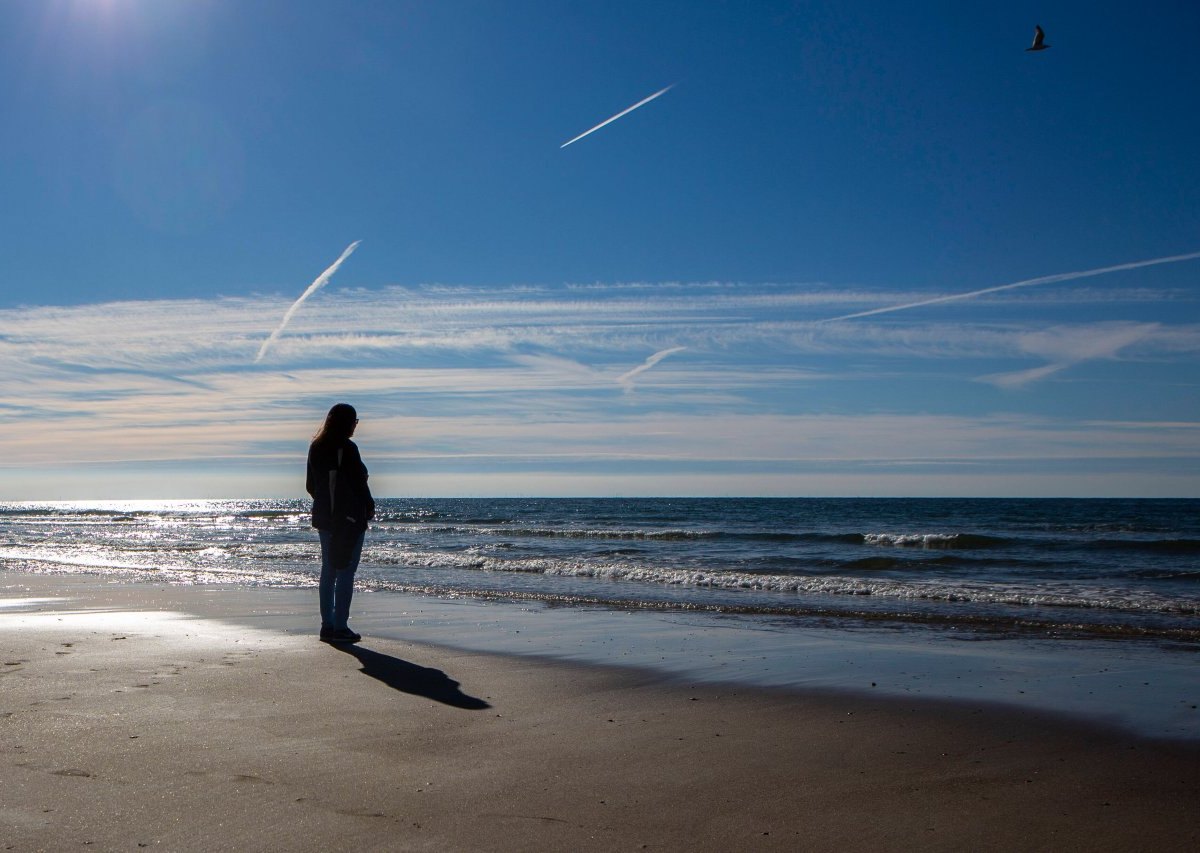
{"points": [[1045, 279], [312, 288], [640, 103], [626, 379]]}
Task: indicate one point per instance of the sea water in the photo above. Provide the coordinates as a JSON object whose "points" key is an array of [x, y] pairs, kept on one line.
{"points": [[1070, 568], [1084, 607]]}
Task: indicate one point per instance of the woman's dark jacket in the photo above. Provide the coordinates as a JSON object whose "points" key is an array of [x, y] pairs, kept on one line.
{"points": [[350, 505]]}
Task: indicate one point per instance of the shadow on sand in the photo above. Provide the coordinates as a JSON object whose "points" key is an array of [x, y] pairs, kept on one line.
{"points": [[409, 678]]}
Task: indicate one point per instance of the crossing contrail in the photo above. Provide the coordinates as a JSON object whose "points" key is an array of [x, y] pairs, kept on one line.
{"points": [[640, 103], [1045, 279], [625, 380], [312, 288]]}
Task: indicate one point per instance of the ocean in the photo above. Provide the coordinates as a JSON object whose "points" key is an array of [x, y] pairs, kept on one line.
{"points": [[1072, 569]]}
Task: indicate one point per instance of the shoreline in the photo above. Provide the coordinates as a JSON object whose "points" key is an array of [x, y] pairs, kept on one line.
{"points": [[1145, 688], [181, 717]]}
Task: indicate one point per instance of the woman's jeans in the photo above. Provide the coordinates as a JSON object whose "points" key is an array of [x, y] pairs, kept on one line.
{"points": [[337, 588]]}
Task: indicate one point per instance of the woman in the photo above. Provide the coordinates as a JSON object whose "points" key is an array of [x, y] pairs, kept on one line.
{"points": [[342, 507]]}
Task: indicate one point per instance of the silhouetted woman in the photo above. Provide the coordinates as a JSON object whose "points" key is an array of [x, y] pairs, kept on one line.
{"points": [[342, 507]]}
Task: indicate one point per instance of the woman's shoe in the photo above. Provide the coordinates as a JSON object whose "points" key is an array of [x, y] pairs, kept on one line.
{"points": [[344, 635]]}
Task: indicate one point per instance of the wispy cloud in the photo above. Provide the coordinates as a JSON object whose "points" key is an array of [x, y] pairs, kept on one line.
{"points": [[1068, 346], [525, 379], [317, 284], [727, 330]]}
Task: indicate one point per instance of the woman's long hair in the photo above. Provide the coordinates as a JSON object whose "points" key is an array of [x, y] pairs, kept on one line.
{"points": [[339, 425]]}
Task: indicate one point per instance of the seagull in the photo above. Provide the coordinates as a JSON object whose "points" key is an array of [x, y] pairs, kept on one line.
{"points": [[1039, 38]]}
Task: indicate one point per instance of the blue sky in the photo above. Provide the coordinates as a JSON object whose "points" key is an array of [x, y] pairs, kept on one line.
{"points": [[646, 311]]}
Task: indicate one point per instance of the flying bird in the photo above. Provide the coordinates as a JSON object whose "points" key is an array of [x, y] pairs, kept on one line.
{"points": [[1039, 39], [623, 112]]}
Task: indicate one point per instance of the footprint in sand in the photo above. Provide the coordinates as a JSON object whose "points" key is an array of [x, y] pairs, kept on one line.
{"points": [[249, 777]]}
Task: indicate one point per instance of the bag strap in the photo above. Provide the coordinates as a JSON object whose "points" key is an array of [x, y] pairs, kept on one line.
{"points": [[333, 481]]}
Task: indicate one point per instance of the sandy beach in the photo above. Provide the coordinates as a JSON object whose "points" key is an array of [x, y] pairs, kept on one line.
{"points": [[136, 715]]}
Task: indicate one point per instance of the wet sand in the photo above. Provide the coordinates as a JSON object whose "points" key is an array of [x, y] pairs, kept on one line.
{"points": [[138, 715]]}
